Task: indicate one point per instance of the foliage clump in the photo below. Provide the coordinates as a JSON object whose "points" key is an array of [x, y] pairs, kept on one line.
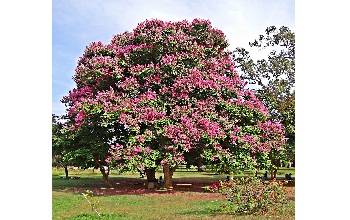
{"points": [[250, 195]]}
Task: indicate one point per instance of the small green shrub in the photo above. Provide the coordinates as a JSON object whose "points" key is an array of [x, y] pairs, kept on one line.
{"points": [[250, 195], [93, 203]]}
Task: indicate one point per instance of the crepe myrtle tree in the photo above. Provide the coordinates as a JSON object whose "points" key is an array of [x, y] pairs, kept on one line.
{"points": [[173, 87]]}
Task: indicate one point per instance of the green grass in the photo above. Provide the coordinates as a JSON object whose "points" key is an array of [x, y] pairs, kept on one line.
{"points": [[67, 203], [74, 206]]}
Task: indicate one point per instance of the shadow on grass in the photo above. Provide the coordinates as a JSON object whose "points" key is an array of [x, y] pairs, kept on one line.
{"points": [[120, 186], [128, 186]]}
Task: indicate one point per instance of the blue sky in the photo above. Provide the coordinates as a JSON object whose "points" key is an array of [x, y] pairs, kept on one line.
{"points": [[77, 23]]}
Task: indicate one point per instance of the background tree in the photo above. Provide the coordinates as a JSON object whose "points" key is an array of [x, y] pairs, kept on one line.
{"points": [[86, 147], [59, 140], [172, 88], [274, 78]]}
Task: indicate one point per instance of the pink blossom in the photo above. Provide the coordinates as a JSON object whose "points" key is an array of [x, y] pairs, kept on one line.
{"points": [[140, 139]]}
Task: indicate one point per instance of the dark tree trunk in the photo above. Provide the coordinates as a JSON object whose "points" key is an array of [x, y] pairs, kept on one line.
{"points": [[199, 164], [103, 171], [277, 163], [151, 175], [271, 174], [105, 175], [66, 171], [168, 176]]}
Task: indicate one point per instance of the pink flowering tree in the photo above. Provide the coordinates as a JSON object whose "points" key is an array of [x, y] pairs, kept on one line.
{"points": [[173, 88]]}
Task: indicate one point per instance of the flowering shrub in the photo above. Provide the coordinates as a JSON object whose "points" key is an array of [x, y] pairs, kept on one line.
{"points": [[251, 195]]}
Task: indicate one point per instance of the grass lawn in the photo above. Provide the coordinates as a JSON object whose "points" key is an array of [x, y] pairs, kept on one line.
{"points": [[69, 203]]}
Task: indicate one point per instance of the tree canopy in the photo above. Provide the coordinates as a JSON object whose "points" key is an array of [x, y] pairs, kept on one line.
{"points": [[273, 77], [168, 88]]}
